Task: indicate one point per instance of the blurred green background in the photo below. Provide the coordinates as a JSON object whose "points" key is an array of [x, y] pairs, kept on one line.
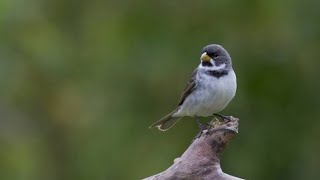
{"points": [[81, 81]]}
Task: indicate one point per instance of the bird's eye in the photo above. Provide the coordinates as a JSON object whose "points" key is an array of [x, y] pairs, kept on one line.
{"points": [[213, 55]]}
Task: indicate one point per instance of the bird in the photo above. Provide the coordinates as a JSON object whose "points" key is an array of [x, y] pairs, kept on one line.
{"points": [[212, 86]]}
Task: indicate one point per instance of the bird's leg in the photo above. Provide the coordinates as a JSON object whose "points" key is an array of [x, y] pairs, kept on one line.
{"points": [[224, 118], [199, 123], [201, 128]]}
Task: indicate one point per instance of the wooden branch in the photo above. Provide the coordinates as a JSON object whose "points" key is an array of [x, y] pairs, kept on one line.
{"points": [[202, 159]]}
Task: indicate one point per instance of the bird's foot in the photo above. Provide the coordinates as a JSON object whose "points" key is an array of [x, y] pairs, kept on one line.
{"points": [[223, 118], [201, 127]]}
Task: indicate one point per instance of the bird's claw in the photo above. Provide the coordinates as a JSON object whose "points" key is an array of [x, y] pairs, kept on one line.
{"points": [[224, 118]]}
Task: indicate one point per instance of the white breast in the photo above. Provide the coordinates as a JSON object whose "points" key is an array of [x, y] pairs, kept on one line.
{"points": [[211, 95]]}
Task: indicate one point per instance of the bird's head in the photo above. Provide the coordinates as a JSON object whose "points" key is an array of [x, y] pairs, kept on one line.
{"points": [[215, 56]]}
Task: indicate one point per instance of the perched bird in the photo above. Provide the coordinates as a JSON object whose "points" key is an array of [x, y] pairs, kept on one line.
{"points": [[211, 87]]}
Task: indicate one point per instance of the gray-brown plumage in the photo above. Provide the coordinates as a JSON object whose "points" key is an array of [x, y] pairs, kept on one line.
{"points": [[210, 89]]}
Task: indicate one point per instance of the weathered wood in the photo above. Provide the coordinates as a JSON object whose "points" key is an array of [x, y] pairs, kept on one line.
{"points": [[201, 161]]}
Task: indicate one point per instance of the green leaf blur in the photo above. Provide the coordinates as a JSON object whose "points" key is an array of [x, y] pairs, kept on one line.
{"points": [[81, 81]]}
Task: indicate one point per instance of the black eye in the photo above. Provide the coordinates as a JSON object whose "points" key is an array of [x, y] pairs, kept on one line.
{"points": [[212, 55]]}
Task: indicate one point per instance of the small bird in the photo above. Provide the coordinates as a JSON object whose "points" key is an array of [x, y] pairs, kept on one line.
{"points": [[212, 86]]}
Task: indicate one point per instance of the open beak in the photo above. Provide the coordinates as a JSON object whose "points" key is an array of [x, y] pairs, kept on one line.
{"points": [[204, 57]]}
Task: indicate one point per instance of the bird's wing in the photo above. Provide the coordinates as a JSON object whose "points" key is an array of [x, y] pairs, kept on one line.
{"points": [[191, 86]]}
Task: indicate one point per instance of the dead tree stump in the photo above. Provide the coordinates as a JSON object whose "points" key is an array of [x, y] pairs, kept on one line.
{"points": [[201, 161]]}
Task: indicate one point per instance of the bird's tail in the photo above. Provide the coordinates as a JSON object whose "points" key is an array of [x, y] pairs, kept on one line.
{"points": [[166, 122]]}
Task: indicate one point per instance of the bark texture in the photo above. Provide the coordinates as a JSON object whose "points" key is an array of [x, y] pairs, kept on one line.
{"points": [[201, 161]]}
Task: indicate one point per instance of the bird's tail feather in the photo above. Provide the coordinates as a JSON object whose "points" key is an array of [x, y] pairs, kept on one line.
{"points": [[166, 122]]}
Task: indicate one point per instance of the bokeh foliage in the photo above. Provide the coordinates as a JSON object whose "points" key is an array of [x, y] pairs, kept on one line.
{"points": [[81, 81]]}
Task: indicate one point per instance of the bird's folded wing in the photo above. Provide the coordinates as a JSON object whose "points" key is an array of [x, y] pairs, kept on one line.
{"points": [[191, 86]]}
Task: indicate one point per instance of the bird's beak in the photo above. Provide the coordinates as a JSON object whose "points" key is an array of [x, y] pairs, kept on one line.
{"points": [[205, 57]]}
